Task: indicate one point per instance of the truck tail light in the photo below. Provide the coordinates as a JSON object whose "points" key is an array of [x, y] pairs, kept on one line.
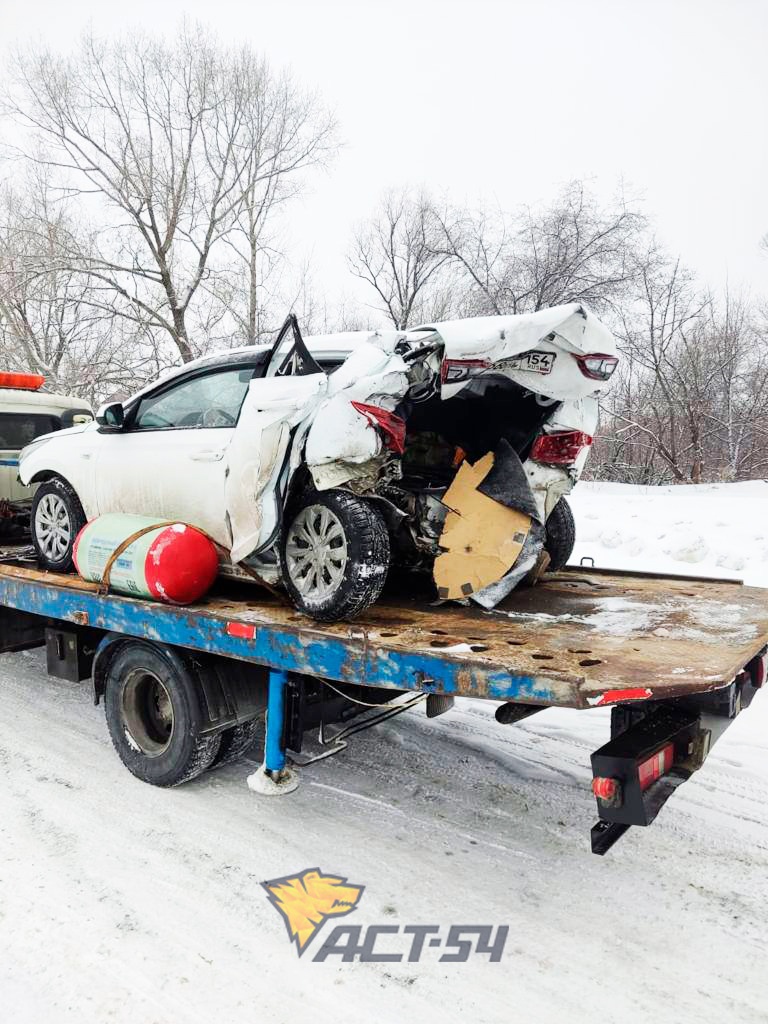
{"points": [[560, 449], [391, 426], [656, 765], [22, 381], [454, 371], [609, 790], [597, 366]]}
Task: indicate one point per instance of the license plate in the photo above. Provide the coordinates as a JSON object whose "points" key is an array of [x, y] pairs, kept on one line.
{"points": [[534, 361]]}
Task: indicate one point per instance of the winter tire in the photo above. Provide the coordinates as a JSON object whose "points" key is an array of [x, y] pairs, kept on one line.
{"points": [[560, 536], [334, 554], [56, 519], [153, 706], [237, 741]]}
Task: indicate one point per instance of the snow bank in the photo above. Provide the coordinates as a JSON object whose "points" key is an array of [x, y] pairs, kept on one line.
{"points": [[705, 530]]}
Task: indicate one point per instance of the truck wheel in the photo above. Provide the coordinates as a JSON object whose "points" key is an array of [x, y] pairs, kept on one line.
{"points": [[56, 519], [334, 555], [237, 741], [560, 536], [154, 714]]}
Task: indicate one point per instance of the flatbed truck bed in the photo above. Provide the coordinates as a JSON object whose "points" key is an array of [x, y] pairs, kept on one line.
{"points": [[667, 653]]}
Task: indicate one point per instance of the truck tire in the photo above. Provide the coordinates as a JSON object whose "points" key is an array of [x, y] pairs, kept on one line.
{"points": [[560, 535], [55, 521], [153, 706], [334, 554], [235, 742]]}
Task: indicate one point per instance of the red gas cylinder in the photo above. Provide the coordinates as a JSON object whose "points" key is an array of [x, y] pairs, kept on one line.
{"points": [[171, 562]]}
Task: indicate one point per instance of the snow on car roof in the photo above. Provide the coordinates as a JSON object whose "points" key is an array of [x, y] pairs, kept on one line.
{"points": [[23, 399], [573, 322]]}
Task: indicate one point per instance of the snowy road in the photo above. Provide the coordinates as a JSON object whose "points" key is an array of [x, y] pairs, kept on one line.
{"points": [[119, 902]]}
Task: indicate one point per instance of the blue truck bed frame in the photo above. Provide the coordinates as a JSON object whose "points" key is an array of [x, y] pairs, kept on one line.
{"points": [[580, 639]]}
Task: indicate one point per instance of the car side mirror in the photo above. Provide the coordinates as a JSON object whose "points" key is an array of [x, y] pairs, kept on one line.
{"points": [[111, 417]]}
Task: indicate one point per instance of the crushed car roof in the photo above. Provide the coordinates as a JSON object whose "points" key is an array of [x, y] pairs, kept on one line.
{"points": [[572, 322]]}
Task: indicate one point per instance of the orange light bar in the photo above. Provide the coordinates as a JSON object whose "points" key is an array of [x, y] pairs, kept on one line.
{"points": [[22, 381]]}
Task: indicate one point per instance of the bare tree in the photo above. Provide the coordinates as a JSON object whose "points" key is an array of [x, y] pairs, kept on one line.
{"points": [[691, 399], [397, 252], [738, 406], [659, 331], [287, 132], [47, 322], [173, 148], [573, 249]]}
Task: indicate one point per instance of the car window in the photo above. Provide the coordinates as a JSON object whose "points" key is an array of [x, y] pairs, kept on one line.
{"points": [[19, 428], [210, 400]]}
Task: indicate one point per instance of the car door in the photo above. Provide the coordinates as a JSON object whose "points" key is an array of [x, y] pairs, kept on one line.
{"points": [[169, 460], [262, 456]]}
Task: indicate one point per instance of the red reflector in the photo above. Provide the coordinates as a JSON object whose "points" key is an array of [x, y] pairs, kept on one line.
{"points": [[391, 426], [654, 767], [616, 696], [241, 630], [22, 381], [607, 790], [560, 449]]}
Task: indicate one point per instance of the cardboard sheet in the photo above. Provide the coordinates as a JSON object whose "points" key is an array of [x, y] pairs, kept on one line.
{"points": [[481, 538]]}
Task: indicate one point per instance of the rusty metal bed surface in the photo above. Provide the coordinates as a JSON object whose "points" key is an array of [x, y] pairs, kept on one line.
{"points": [[580, 638]]}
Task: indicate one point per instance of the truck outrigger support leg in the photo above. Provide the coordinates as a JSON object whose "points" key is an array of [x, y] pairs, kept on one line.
{"points": [[274, 778]]}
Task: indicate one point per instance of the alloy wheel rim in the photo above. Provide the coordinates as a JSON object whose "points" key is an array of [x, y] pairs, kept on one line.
{"points": [[53, 527], [316, 552]]}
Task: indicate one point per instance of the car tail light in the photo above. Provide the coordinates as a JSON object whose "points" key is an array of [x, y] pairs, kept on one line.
{"points": [[453, 371], [597, 366], [391, 426], [22, 381], [560, 449]]}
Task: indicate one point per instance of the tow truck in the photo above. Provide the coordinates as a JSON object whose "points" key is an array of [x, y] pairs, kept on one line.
{"points": [[675, 658]]}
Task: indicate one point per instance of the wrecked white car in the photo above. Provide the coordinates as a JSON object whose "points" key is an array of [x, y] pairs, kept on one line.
{"points": [[319, 464]]}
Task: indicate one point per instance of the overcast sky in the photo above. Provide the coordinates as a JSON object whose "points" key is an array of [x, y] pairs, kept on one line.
{"points": [[505, 100]]}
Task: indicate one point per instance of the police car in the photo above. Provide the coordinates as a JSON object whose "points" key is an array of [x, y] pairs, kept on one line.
{"points": [[27, 412]]}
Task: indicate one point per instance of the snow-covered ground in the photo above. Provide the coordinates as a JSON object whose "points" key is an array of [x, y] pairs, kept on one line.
{"points": [[119, 902], [709, 530]]}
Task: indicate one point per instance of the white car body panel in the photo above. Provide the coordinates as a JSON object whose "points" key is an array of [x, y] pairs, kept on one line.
{"points": [[272, 407], [19, 403], [71, 454], [500, 338], [339, 433], [155, 473]]}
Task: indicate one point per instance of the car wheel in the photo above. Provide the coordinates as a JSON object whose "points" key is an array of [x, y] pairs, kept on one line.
{"points": [[56, 519], [153, 706], [560, 535], [334, 554]]}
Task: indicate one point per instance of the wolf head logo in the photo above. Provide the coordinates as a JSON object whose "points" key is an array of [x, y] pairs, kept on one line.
{"points": [[305, 901]]}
